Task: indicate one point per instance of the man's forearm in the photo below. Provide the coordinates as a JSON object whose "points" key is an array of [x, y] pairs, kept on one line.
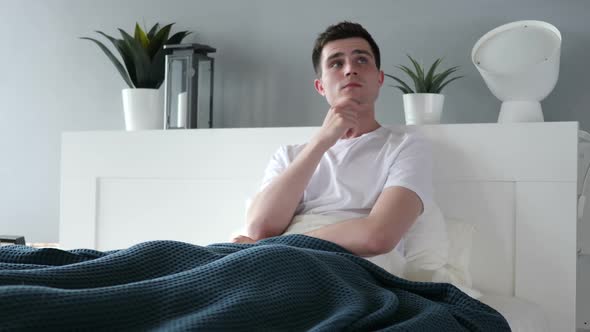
{"points": [[392, 215], [272, 209], [355, 235]]}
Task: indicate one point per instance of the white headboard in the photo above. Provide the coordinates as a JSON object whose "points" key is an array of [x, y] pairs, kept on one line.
{"points": [[515, 182]]}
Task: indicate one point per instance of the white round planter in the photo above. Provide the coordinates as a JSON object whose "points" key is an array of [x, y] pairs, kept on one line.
{"points": [[423, 108], [143, 109]]}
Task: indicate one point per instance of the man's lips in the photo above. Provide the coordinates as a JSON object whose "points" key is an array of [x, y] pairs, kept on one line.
{"points": [[352, 85]]}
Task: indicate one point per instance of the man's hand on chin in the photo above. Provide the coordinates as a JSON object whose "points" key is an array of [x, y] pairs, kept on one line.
{"points": [[341, 121]]}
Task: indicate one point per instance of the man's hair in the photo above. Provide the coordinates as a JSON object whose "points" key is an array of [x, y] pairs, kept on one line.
{"points": [[338, 31]]}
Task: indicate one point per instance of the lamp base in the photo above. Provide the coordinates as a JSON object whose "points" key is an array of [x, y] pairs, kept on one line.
{"points": [[521, 111]]}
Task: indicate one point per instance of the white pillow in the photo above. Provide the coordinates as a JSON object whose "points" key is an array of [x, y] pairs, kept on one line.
{"points": [[439, 251], [461, 241], [426, 244], [456, 270]]}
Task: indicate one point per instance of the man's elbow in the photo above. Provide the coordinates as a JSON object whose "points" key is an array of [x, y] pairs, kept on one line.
{"points": [[258, 230], [379, 248], [380, 242]]}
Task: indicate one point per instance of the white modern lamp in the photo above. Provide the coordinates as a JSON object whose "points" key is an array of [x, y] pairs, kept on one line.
{"points": [[519, 62]]}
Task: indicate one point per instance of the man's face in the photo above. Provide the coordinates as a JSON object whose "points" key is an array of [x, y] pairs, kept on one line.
{"points": [[349, 72]]}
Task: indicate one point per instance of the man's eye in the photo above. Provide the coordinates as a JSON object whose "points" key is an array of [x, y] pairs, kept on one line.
{"points": [[362, 60], [335, 64]]}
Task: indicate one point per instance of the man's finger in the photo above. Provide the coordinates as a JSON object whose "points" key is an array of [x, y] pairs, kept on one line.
{"points": [[347, 112], [242, 239]]}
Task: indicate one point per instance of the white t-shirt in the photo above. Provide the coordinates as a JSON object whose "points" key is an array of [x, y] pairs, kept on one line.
{"points": [[352, 174]]}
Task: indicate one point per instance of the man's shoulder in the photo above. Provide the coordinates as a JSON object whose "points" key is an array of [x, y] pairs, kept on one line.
{"points": [[399, 135]]}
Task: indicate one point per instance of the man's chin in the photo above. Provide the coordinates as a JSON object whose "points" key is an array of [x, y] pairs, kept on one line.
{"points": [[360, 99]]}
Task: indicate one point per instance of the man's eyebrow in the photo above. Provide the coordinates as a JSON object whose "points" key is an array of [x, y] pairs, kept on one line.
{"points": [[335, 55], [356, 51], [362, 52]]}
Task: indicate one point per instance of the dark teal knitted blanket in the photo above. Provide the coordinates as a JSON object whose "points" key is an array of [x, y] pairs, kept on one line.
{"points": [[288, 283]]}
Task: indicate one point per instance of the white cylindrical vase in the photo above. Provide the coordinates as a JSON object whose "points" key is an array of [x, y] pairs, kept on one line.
{"points": [[423, 108], [143, 109]]}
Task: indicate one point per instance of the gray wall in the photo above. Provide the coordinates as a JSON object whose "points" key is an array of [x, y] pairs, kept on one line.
{"points": [[53, 82]]}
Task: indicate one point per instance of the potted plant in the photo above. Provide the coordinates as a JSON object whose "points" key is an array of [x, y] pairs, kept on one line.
{"points": [[424, 103], [143, 70]]}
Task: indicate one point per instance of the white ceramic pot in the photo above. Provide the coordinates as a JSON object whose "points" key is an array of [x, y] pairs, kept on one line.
{"points": [[143, 109], [423, 108]]}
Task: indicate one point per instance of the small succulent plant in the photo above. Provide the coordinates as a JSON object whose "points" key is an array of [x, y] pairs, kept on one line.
{"points": [[142, 54], [424, 82]]}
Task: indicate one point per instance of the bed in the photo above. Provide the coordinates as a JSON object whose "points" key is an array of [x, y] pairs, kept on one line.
{"points": [[515, 183]]}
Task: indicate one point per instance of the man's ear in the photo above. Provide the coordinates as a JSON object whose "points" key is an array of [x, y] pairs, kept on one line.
{"points": [[381, 77], [317, 83]]}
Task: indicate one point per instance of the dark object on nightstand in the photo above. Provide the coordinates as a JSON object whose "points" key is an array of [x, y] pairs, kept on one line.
{"points": [[188, 86], [12, 239]]}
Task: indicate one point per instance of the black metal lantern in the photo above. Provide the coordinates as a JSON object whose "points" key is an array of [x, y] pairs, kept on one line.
{"points": [[188, 90]]}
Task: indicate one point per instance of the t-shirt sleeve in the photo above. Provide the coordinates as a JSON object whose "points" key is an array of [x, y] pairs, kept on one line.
{"points": [[277, 164], [412, 168]]}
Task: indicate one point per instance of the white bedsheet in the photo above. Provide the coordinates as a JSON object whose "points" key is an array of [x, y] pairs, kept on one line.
{"points": [[522, 316]]}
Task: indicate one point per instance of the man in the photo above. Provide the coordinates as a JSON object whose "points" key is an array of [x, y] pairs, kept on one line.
{"points": [[375, 179]]}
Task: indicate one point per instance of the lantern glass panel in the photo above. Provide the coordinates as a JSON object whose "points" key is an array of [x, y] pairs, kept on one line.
{"points": [[204, 102], [180, 70]]}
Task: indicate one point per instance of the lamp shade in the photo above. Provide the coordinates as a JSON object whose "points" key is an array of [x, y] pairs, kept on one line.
{"points": [[519, 63]]}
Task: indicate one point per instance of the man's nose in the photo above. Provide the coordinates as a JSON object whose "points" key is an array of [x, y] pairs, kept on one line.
{"points": [[350, 69]]}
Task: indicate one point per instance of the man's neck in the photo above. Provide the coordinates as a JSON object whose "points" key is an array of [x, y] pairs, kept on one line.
{"points": [[367, 123]]}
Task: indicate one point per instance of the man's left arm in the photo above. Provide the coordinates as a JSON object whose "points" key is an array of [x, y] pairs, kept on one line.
{"points": [[395, 211]]}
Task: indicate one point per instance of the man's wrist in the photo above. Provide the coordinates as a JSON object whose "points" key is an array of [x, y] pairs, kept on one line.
{"points": [[320, 145]]}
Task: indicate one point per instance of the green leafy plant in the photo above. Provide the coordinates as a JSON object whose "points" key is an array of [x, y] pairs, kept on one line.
{"points": [[424, 82], [143, 54]]}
